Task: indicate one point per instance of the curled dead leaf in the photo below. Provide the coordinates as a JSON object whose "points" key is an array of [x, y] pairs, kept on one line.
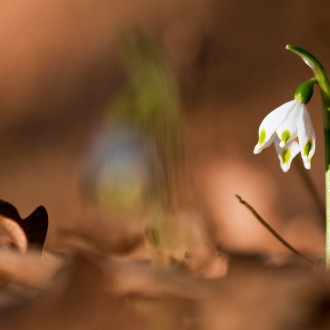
{"points": [[24, 233]]}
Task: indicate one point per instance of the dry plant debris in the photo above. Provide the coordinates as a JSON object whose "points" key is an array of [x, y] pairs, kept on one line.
{"points": [[88, 285]]}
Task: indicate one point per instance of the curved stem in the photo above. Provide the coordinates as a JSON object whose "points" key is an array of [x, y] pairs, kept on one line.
{"points": [[324, 86], [273, 231]]}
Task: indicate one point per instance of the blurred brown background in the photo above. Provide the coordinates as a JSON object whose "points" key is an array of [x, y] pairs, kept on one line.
{"points": [[60, 64]]}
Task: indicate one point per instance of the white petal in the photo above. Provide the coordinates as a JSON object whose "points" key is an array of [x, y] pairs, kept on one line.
{"points": [[270, 123], [286, 154], [306, 135], [288, 130], [259, 147]]}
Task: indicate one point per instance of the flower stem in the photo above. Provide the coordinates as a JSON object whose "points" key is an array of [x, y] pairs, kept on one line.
{"points": [[324, 86]]}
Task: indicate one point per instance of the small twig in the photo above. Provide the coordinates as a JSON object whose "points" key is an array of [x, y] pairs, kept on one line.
{"points": [[272, 230]]}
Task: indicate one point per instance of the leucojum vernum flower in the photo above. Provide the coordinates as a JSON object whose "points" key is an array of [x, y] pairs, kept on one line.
{"points": [[290, 129]]}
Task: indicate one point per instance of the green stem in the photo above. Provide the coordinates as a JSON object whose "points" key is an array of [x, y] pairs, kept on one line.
{"points": [[324, 87]]}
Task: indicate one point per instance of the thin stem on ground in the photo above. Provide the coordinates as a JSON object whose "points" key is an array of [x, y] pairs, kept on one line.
{"points": [[273, 231]]}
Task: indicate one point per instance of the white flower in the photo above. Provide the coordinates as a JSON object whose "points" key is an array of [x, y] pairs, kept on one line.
{"points": [[286, 154], [290, 128]]}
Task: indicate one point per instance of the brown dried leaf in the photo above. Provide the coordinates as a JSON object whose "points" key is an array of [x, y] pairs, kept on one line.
{"points": [[25, 233]]}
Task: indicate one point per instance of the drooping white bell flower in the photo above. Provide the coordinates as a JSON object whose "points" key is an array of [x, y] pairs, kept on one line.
{"points": [[286, 154], [290, 128]]}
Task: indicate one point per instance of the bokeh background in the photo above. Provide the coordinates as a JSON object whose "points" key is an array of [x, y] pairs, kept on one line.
{"points": [[63, 72]]}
